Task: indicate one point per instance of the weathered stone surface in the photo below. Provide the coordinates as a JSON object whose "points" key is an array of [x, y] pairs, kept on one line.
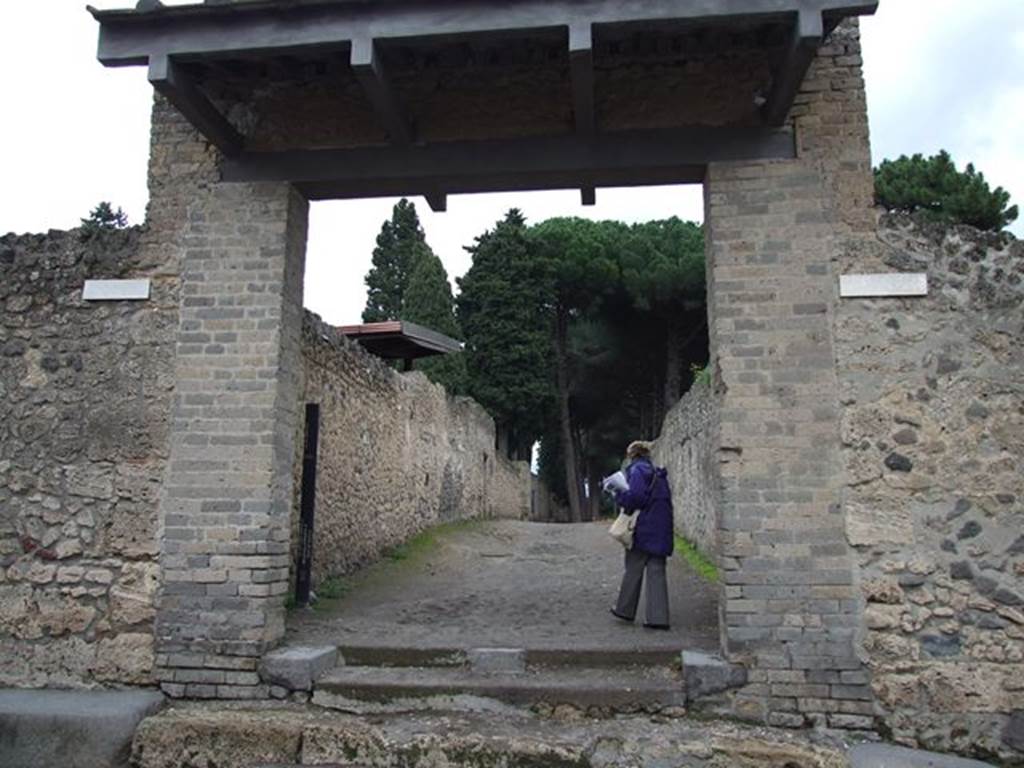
{"points": [[687, 448], [885, 756], [297, 667], [77, 729], [433, 456], [85, 397], [941, 654], [195, 737], [496, 660], [706, 675]]}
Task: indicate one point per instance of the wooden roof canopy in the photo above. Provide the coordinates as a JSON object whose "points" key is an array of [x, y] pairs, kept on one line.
{"points": [[400, 340], [187, 47]]}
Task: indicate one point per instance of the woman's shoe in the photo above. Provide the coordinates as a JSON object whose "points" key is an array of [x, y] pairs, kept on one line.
{"points": [[656, 626], [619, 616]]}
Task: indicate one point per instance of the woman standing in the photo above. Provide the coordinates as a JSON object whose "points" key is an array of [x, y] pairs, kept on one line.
{"points": [[649, 495]]}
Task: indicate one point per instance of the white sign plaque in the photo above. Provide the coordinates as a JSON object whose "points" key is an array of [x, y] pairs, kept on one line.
{"points": [[115, 290], [891, 284]]}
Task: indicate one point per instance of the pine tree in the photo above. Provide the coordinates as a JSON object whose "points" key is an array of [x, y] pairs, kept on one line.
{"points": [[428, 301], [934, 187], [504, 311], [102, 217], [400, 244]]}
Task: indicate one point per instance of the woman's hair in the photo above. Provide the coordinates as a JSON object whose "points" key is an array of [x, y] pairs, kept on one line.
{"points": [[638, 448]]}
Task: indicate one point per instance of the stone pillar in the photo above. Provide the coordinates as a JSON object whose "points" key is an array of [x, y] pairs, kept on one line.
{"points": [[791, 607], [226, 497]]}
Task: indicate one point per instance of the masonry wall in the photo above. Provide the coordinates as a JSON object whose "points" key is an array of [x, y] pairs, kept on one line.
{"points": [[84, 406], [396, 455], [687, 447], [932, 404], [791, 606]]}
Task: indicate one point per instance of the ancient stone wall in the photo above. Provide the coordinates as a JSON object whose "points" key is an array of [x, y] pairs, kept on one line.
{"points": [[85, 392], [687, 448], [396, 455], [932, 395]]}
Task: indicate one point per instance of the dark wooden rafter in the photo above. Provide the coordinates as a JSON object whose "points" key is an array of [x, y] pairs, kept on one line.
{"points": [[581, 64], [130, 38], [581, 67], [167, 77], [628, 158], [366, 64], [437, 201], [168, 38], [807, 35]]}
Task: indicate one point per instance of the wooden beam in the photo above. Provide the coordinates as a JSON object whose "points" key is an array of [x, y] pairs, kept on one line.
{"points": [[167, 77], [581, 65], [128, 38], [437, 201], [628, 158], [588, 195], [366, 64], [808, 32]]}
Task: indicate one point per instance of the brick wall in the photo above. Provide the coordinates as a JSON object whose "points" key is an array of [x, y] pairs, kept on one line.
{"points": [[396, 455], [791, 606], [687, 448]]}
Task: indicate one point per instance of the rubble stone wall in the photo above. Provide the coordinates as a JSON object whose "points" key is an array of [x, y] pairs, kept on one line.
{"points": [[396, 455], [932, 396], [85, 392], [687, 448]]}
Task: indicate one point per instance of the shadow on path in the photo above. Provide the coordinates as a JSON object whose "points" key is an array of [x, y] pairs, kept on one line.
{"points": [[506, 583]]}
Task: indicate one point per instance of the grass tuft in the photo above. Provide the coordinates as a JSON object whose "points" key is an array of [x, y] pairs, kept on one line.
{"points": [[697, 560], [426, 541]]}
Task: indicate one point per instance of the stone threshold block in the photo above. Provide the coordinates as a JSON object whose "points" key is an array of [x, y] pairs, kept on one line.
{"points": [[297, 667], [71, 729], [485, 661], [706, 675], [885, 756]]}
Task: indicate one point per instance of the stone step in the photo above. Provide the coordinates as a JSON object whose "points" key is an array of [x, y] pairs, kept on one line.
{"points": [[400, 656], [366, 690]]}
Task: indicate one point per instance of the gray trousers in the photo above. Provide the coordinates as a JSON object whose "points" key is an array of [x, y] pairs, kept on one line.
{"points": [[657, 588]]}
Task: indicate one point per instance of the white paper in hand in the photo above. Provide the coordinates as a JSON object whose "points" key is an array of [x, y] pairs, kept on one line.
{"points": [[615, 482]]}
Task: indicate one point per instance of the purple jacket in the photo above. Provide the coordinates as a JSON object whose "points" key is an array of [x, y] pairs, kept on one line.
{"points": [[653, 534]]}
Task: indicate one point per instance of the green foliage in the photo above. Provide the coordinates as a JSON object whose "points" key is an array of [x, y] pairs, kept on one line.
{"points": [[933, 186], [104, 217], [427, 541], [697, 560], [329, 590], [428, 301], [701, 375], [400, 245], [503, 309]]}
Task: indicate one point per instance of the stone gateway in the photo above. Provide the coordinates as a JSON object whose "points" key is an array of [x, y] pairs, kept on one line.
{"points": [[859, 460]]}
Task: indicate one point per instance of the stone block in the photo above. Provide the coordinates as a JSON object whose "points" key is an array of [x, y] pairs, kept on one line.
{"points": [[706, 675], [297, 667], [885, 756], [497, 660], [72, 729]]}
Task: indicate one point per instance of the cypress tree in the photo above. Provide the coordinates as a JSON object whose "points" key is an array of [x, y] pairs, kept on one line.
{"points": [[504, 311], [428, 301], [400, 244]]}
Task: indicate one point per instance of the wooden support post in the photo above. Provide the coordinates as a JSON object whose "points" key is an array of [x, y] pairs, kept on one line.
{"points": [[307, 506]]}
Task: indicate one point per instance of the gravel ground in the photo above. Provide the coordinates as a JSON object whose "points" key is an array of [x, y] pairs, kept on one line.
{"points": [[507, 583]]}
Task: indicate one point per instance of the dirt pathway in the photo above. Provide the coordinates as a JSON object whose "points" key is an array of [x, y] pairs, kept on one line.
{"points": [[507, 584]]}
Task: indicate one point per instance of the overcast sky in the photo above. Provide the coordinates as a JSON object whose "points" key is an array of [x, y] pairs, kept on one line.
{"points": [[940, 74]]}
